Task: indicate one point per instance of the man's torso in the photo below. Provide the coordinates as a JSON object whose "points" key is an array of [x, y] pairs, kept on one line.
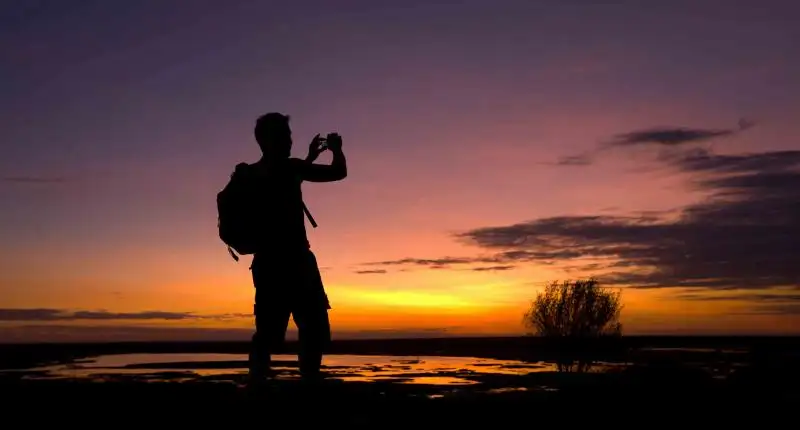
{"points": [[280, 203]]}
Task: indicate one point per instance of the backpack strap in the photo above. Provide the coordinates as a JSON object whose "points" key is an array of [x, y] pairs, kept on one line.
{"points": [[308, 215], [233, 254]]}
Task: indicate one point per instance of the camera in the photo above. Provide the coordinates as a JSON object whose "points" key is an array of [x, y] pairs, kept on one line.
{"points": [[323, 141]]}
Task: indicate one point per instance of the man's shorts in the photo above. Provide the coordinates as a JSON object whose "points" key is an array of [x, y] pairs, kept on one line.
{"points": [[290, 284]]}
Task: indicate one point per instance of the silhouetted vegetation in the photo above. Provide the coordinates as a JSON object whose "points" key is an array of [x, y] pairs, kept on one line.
{"points": [[575, 317]]}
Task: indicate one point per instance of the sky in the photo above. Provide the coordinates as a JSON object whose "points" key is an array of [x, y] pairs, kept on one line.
{"points": [[492, 146]]}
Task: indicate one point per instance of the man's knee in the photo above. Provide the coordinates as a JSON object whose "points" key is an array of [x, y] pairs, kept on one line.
{"points": [[315, 330], [261, 344], [319, 339], [268, 338]]}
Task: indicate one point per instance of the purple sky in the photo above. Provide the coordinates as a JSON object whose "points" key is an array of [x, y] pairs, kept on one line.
{"points": [[119, 121]]}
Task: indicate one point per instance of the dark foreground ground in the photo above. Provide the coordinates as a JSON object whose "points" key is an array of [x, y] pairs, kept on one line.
{"points": [[743, 382]]}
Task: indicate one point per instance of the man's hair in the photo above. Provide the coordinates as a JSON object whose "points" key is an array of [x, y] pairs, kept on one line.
{"points": [[268, 126]]}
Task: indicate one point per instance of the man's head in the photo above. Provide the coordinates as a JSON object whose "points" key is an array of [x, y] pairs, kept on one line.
{"points": [[274, 135]]}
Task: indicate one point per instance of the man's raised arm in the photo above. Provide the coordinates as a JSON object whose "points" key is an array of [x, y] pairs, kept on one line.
{"points": [[336, 171]]}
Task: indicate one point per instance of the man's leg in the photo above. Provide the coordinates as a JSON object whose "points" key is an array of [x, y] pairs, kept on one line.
{"points": [[271, 320], [271, 324], [311, 318], [314, 332]]}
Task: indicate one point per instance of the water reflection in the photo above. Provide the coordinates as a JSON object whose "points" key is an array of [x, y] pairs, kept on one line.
{"points": [[425, 370]]}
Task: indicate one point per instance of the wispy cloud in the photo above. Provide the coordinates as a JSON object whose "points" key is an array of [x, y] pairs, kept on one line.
{"points": [[662, 136], [44, 314], [575, 160], [494, 268], [371, 272], [672, 136], [781, 296], [773, 302], [434, 262]]}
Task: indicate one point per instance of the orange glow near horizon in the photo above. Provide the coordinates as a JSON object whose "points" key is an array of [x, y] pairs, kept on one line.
{"points": [[444, 302]]}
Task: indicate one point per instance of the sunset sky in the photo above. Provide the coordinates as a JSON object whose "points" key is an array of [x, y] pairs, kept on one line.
{"points": [[492, 146]]}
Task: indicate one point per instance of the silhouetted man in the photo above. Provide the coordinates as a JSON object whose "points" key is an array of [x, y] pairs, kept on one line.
{"points": [[285, 273]]}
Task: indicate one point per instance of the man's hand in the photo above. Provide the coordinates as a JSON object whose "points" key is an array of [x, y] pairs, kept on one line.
{"points": [[315, 148], [334, 142]]}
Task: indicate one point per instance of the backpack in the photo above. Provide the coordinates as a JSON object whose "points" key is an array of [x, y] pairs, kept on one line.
{"points": [[239, 214]]}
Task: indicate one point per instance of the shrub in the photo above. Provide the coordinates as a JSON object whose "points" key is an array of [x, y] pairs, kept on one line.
{"points": [[575, 317]]}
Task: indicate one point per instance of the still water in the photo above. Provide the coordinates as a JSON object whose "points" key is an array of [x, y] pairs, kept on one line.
{"points": [[426, 370]]}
